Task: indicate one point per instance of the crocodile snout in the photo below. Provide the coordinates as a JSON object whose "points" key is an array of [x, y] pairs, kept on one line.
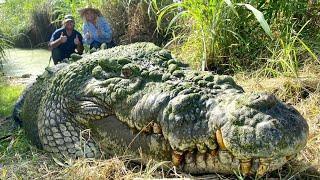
{"points": [[260, 131], [261, 101]]}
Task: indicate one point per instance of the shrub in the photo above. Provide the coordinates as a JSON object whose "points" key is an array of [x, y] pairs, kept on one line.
{"points": [[230, 35], [17, 22], [133, 21]]}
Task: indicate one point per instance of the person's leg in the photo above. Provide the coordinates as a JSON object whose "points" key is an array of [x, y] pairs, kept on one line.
{"points": [[111, 44], [56, 55], [95, 44]]}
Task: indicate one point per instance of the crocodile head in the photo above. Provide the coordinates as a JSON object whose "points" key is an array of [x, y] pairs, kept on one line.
{"points": [[202, 122]]}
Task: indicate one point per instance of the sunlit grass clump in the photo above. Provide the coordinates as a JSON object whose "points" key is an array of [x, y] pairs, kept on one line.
{"points": [[8, 96]]}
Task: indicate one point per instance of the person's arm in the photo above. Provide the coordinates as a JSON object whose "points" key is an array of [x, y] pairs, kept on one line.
{"points": [[88, 36], [106, 30], [78, 42], [80, 48], [55, 43]]}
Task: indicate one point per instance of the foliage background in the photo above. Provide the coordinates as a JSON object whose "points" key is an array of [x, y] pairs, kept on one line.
{"points": [[235, 42], [29, 24]]}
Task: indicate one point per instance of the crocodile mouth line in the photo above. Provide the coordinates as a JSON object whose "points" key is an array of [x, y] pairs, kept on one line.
{"points": [[197, 162], [212, 160]]}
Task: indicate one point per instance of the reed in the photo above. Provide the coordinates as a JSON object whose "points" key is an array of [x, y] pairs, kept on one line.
{"points": [[210, 22], [4, 44], [286, 54]]}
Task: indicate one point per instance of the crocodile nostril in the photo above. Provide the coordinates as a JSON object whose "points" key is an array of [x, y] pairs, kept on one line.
{"points": [[262, 101]]}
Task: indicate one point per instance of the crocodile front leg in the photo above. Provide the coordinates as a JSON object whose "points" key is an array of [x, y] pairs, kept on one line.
{"points": [[61, 133]]}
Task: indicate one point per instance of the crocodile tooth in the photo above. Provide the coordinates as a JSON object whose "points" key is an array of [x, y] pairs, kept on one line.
{"points": [[263, 167], [201, 161], [177, 158], [245, 165], [157, 128], [202, 148], [220, 140]]}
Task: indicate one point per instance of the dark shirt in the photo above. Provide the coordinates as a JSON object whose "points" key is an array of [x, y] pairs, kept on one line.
{"points": [[68, 47]]}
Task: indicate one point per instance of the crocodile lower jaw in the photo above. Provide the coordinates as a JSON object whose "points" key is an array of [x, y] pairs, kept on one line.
{"points": [[217, 160], [224, 162]]}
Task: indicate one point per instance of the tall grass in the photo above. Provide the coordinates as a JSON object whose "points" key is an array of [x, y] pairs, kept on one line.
{"points": [[26, 23], [4, 44], [230, 34], [15, 15], [209, 21], [286, 54]]}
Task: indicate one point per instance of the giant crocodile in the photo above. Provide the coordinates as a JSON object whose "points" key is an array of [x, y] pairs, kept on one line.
{"points": [[139, 100]]}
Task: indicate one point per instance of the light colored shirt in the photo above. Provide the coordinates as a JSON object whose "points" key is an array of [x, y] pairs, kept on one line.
{"points": [[102, 25]]}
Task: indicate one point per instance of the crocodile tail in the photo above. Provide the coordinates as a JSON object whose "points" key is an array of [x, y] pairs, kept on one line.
{"points": [[16, 114]]}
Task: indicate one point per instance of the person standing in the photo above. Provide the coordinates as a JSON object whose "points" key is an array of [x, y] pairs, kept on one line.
{"points": [[96, 29], [65, 41]]}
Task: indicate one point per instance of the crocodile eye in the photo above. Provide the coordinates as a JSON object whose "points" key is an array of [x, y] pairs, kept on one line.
{"points": [[98, 72], [110, 65], [101, 74], [130, 69], [126, 72]]}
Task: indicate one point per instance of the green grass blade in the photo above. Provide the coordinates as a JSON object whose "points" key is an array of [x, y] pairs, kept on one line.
{"points": [[309, 50], [299, 32], [230, 4], [260, 17], [164, 11], [175, 18]]}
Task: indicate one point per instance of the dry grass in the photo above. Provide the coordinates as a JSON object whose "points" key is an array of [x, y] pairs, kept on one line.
{"points": [[140, 26], [132, 21], [20, 160], [117, 168], [116, 14]]}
